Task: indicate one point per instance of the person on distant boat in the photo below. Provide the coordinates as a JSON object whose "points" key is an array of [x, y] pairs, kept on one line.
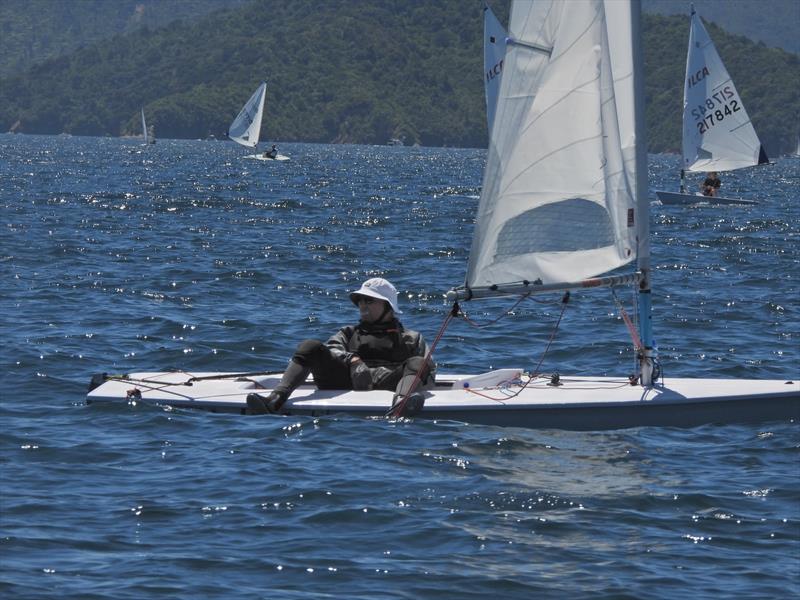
{"points": [[272, 153], [377, 353], [711, 184]]}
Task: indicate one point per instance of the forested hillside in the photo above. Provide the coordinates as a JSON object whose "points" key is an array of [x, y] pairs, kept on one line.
{"points": [[32, 31], [349, 72], [776, 23]]}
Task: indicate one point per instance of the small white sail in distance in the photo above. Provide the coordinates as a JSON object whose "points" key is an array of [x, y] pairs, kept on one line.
{"points": [[717, 132], [558, 201], [246, 127], [494, 48], [144, 127]]}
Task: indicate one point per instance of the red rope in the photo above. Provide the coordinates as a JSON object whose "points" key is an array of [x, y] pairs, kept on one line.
{"points": [[397, 409], [628, 323]]}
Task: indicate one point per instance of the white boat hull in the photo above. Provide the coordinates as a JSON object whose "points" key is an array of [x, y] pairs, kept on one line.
{"points": [[678, 199], [579, 403], [279, 158]]}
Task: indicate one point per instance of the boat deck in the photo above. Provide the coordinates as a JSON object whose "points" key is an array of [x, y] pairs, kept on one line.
{"points": [[574, 403]]}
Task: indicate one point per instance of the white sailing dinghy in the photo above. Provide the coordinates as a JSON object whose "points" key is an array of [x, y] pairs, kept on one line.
{"points": [[494, 49], [148, 139], [567, 146], [717, 133], [246, 127]]}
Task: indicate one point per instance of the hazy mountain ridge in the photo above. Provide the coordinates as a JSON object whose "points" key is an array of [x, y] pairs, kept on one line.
{"points": [[32, 31]]}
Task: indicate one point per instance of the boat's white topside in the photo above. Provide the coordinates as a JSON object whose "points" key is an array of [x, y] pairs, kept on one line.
{"points": [[682, 198], [172, 388]]}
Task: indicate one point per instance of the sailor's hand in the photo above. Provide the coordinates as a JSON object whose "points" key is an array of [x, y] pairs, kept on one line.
{"points": [[360, 375]]}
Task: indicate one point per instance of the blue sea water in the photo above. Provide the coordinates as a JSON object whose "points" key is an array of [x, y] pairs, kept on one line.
{"points": [[117, 257]]}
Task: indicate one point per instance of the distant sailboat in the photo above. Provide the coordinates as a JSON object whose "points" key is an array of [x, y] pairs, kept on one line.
{"points": [[148, 137], [246, 127], [494, 48], [717, 132]]}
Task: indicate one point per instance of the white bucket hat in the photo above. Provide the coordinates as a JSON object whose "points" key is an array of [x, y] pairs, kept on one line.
{"points": [[378, 288]]}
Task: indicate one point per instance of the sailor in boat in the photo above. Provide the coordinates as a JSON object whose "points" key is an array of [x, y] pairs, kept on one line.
{"points": [[271, 153], [711, 184], [378, 353]]}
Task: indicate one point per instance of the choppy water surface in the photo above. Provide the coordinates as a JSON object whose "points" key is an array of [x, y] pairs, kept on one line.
{"points": [[115, 257]]}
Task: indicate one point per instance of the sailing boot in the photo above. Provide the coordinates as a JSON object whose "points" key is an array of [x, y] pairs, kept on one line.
{"points": [[256, 404], [412, 406], [275, 401], [263, 405]]}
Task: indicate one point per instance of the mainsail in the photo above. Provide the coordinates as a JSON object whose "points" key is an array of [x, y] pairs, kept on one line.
{"points": [[144, 127], [558, 202], [717, 133], [246, 127], [494, 48]]}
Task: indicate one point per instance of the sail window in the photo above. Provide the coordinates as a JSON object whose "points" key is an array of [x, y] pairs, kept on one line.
{"points": [[566, 226]]}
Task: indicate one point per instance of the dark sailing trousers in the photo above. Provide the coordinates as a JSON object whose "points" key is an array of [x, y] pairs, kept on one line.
{"points": [[313, 356]]}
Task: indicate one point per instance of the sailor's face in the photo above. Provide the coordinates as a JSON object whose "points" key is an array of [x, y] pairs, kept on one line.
{"points": [[369, 309]]}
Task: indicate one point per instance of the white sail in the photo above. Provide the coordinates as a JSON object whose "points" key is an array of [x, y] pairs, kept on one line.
{"points": [[717, 133], [246, 127], [558, 202], [623, 21], [494, 48], [144, 127]]}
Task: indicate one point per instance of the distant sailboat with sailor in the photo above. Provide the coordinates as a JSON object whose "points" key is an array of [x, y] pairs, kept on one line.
{"points": [[246, 127], [717, 132]]}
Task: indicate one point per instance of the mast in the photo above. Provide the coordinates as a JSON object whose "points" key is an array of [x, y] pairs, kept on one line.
{"points": [[642, 202]]}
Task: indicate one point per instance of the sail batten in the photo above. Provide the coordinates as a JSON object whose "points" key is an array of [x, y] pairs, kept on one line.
{"points": [[557, 201]]}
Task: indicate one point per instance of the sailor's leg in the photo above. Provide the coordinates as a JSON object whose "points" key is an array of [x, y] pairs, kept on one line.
{"points": [[310, 356]]}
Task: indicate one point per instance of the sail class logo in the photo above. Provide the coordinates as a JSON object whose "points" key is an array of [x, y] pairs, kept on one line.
{"points": [[495, 71], [699, 76]]}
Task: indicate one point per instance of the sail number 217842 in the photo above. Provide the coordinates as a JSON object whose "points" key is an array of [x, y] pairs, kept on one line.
{"points": [[716, 107]]}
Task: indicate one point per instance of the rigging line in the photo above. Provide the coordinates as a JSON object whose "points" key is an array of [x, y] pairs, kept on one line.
{"points": [[492, 322], [535, 373], [191, 378], [154, 388], [564, 302], [230, 376], [151, 383], [631, 329], [397, 409], [636, 324], [498, 400], [618, 386], [155, 384]]}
